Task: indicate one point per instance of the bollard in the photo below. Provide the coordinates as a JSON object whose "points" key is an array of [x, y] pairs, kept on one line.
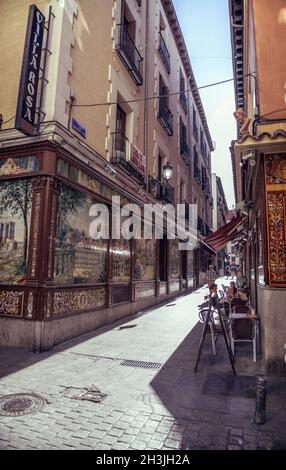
{"points": [[260, 400]]}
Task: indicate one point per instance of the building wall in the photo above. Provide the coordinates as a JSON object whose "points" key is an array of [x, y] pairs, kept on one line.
{"points": [[270, 33]]}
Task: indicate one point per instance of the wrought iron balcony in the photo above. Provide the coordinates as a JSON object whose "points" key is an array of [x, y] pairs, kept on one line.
{"points": [[185, 151], [184, 101], [154, 187], [164, 53], [162, 190], [168, 193], [129, 54], [165, 116], [120, 156], [195, 130], [197, 174]]}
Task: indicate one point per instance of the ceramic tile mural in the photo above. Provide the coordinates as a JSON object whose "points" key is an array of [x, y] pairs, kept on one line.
{"points": [[174, 259], [145, 259], [78, 176], [15, 215], [78, 258], [18, 166], [121, 260]]}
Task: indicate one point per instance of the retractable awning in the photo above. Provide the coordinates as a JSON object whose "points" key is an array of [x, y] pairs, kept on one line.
{"points": [[225, 234]]}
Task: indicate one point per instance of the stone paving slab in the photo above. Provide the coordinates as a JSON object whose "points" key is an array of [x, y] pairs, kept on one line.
{"points": [[170, 408]]}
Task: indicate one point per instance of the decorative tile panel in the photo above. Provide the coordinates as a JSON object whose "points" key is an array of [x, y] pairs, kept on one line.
{"points": [[78, 300], [174, 285], [11, 302], [144, 290]]}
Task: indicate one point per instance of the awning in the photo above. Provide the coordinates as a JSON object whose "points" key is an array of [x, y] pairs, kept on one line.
{"points": [[225, 234]]}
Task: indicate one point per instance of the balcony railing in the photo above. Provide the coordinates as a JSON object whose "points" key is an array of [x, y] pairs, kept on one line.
{"points": [[164, 53], [165, 116], [120, 156], [184, 101], [162, 190], [168, 193], [129, 54], [197, 174], [195, 130], [185, 151]]}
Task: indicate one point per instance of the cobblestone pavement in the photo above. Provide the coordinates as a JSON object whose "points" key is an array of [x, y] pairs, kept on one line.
{"points": [[168, 408]]}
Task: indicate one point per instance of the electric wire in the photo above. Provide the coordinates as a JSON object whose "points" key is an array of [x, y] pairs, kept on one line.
{"points": [[106, 103]]}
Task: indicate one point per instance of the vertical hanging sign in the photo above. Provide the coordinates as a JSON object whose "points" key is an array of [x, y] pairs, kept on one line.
{"points": [[27, 97]]}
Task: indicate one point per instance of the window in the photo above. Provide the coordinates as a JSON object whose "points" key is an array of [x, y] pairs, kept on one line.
{"points": [[195, 128], [183, 97], [163, 50], [165, 116], [126, 47]]}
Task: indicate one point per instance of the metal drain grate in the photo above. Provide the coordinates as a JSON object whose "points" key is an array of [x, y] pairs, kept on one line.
{"points": [[20, 404], [143, 364]]}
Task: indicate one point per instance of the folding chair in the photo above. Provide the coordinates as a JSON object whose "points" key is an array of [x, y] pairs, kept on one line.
{"points": [[243, 328]]}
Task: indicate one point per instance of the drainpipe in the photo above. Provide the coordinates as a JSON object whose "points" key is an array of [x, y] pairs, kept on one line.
{"points": [[146, 87]]}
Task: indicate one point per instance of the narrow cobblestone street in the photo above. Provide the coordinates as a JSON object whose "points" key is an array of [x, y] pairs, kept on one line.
{"points": [[142, 408]]}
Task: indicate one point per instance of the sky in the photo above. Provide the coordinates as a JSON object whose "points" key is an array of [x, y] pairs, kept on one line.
{"points": [[205, 26]]}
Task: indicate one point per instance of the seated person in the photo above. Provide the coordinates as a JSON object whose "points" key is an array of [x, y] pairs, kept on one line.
{"points": [[213, 290], [232, 291]]}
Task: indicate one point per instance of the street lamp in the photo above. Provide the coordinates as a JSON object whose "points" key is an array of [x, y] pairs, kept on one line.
{"points": [[167, 171]]}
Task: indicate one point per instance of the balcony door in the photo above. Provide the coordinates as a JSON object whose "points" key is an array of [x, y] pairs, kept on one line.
{"points": [[120, 141]]}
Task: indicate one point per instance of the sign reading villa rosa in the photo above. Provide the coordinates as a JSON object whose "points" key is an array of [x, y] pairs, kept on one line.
{"points": [[138, 159], [27, 97]]}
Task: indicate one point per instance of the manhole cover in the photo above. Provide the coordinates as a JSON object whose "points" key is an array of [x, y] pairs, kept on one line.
{"points": [[20, 404], [240, 385], [144, 365]]}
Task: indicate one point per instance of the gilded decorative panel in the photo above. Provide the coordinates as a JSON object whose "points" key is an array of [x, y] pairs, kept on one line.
{"points": [[275, 180], [145, 259], [276, 208], [15, 217], [275, 168], [76, 301], [35, 232], [11, 302], [144, 290], [79, 259]]}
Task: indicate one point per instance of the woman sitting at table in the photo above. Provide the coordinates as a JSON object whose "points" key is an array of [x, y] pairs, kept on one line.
{"points": [[232, 291]]}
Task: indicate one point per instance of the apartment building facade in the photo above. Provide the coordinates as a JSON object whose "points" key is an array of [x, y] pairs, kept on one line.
{"points": [[112, 108], [220, 210], [259, 161]]}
